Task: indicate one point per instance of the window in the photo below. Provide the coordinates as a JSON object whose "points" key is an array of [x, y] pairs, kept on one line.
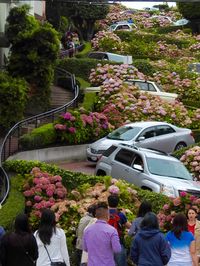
{"points": [[162, 130], [151, 87], [125, 156], [142, 85], [148, 133], [138, 161], [110, 150]]}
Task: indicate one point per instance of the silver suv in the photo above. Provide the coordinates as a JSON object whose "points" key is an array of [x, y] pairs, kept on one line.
{"points": [[148, 169]]}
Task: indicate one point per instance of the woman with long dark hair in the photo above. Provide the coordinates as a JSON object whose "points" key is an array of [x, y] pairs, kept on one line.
{"points": [[19, 247], [51, 241], [149, 246], [182, 243], [144, 208]]}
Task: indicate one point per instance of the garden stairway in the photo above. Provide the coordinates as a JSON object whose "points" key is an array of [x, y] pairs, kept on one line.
{"points": [[60, 96]]}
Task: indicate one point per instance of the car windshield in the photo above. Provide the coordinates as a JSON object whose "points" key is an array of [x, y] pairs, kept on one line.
{"points": [[168, 168], [159, 86], [124, 133], [113, 26]]}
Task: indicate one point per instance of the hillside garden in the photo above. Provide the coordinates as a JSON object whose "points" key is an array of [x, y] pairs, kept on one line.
{"points": [[160, 53]]}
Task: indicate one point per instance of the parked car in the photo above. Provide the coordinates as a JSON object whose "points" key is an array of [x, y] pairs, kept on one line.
{"points": [[181, 22], [194, 67], [122, 25], [124, 59], [147, 169], [150, 134], [153, 88], [146, 86]]}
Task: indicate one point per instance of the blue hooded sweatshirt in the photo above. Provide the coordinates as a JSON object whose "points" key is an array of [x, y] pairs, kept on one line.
{"points": [[149, 248]]}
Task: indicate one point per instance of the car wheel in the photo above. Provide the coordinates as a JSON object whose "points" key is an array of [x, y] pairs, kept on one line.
{"points": [[101, 173], [179, 146], [146, 188]]}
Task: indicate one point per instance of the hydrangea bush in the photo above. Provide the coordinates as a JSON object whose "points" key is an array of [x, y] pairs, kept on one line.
{"points": [[176, 205], [79, 126], [191, 159]]}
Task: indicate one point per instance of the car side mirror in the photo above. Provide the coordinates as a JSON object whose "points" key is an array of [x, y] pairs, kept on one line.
{"points": [[141, 138], [138, 167]]}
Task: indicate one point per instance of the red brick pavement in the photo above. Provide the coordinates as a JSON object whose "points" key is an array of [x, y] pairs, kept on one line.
{"points": [[82, 166]]}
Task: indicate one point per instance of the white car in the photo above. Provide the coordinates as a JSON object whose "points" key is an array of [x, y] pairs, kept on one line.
{"points": [[122, 25], [124, 59], [146, 86], [147, 169], [154, 89], [181, 22], [161, 136]]}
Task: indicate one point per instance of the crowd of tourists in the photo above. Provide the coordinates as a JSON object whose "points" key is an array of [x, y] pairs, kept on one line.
{"points": [[100, 239]]}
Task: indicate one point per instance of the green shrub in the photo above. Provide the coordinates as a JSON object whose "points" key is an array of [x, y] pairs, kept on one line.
{"points": [[39, 137], [13, 205], [144, 66], [89, 101], [13, 97], [87, 48]]}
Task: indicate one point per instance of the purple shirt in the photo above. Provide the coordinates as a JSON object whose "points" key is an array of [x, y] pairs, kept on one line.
{"points": [[101, 241]]}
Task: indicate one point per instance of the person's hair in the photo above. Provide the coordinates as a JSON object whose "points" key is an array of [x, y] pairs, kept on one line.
{"points": [[150, 221], [144, 208], [22, 224], [47, 226], [179, 224], [92, 209], [113, 201], [193, 209], [101, 207]]}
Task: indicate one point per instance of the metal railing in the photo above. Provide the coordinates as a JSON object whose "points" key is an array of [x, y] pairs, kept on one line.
{"points": [[11, 143]]}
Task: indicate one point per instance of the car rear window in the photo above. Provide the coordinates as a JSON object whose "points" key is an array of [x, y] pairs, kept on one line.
{"points": [[109, 151]]}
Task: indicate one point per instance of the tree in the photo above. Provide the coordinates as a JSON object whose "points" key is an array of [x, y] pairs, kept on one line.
{"points": [[191, 11], [13, 96], [32, 55], [83, 15]]}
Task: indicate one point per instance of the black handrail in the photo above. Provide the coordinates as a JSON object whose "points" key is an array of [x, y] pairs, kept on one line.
{"points": [[10, 143]]}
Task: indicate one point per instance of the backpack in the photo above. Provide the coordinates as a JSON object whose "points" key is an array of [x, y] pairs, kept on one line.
{"points": [[114, 221]]}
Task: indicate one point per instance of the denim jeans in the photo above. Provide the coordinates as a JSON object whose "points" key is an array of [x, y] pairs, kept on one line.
{"points": [[121, 258]]}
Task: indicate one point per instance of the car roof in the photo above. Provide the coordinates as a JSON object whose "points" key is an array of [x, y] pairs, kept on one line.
{"points": [[141, 80], [147, 124], [150, 153]]}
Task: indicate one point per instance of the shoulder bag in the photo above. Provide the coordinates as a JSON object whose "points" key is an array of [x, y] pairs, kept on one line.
{"points": [[58, 263]]}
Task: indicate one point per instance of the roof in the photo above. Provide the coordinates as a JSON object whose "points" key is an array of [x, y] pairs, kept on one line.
{"points": [[147, 123]]}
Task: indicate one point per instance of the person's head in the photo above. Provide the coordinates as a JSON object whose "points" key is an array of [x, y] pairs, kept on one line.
{"points": [[150, 221], [47, 226], [92, 210], [102, 211], [144, 208], [22, 224], [113, 201], [179, 224], [191, 214]]}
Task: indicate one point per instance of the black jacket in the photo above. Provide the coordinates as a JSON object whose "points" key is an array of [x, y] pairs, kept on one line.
{"points": [[18, 250]]}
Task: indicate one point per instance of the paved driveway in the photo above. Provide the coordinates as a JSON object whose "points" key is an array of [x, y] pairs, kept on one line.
{"points": [[82, 166]]}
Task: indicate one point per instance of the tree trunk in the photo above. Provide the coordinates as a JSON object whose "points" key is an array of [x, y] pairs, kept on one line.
{"points": [[195, 24], [90, 29]]}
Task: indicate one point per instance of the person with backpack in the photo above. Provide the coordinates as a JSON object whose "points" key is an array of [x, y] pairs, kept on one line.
{"points": [[118, 220], [101, 240]]}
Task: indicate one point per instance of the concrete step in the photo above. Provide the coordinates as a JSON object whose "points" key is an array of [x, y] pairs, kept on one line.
{"points": [[60, 96]]}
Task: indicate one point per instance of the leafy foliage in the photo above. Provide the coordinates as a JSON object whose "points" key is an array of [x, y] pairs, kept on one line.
{"points": [[84, 15], [33, 54], [13, 98]]}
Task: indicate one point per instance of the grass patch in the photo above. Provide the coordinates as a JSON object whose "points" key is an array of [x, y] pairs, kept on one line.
{"points": [[89, 100]]}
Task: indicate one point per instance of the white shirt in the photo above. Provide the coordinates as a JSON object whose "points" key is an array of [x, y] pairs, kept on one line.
{"points": [[57, 249]]}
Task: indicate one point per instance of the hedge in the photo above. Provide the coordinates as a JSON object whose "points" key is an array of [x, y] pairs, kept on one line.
{"points": [[153, 37], [39, 137]]}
